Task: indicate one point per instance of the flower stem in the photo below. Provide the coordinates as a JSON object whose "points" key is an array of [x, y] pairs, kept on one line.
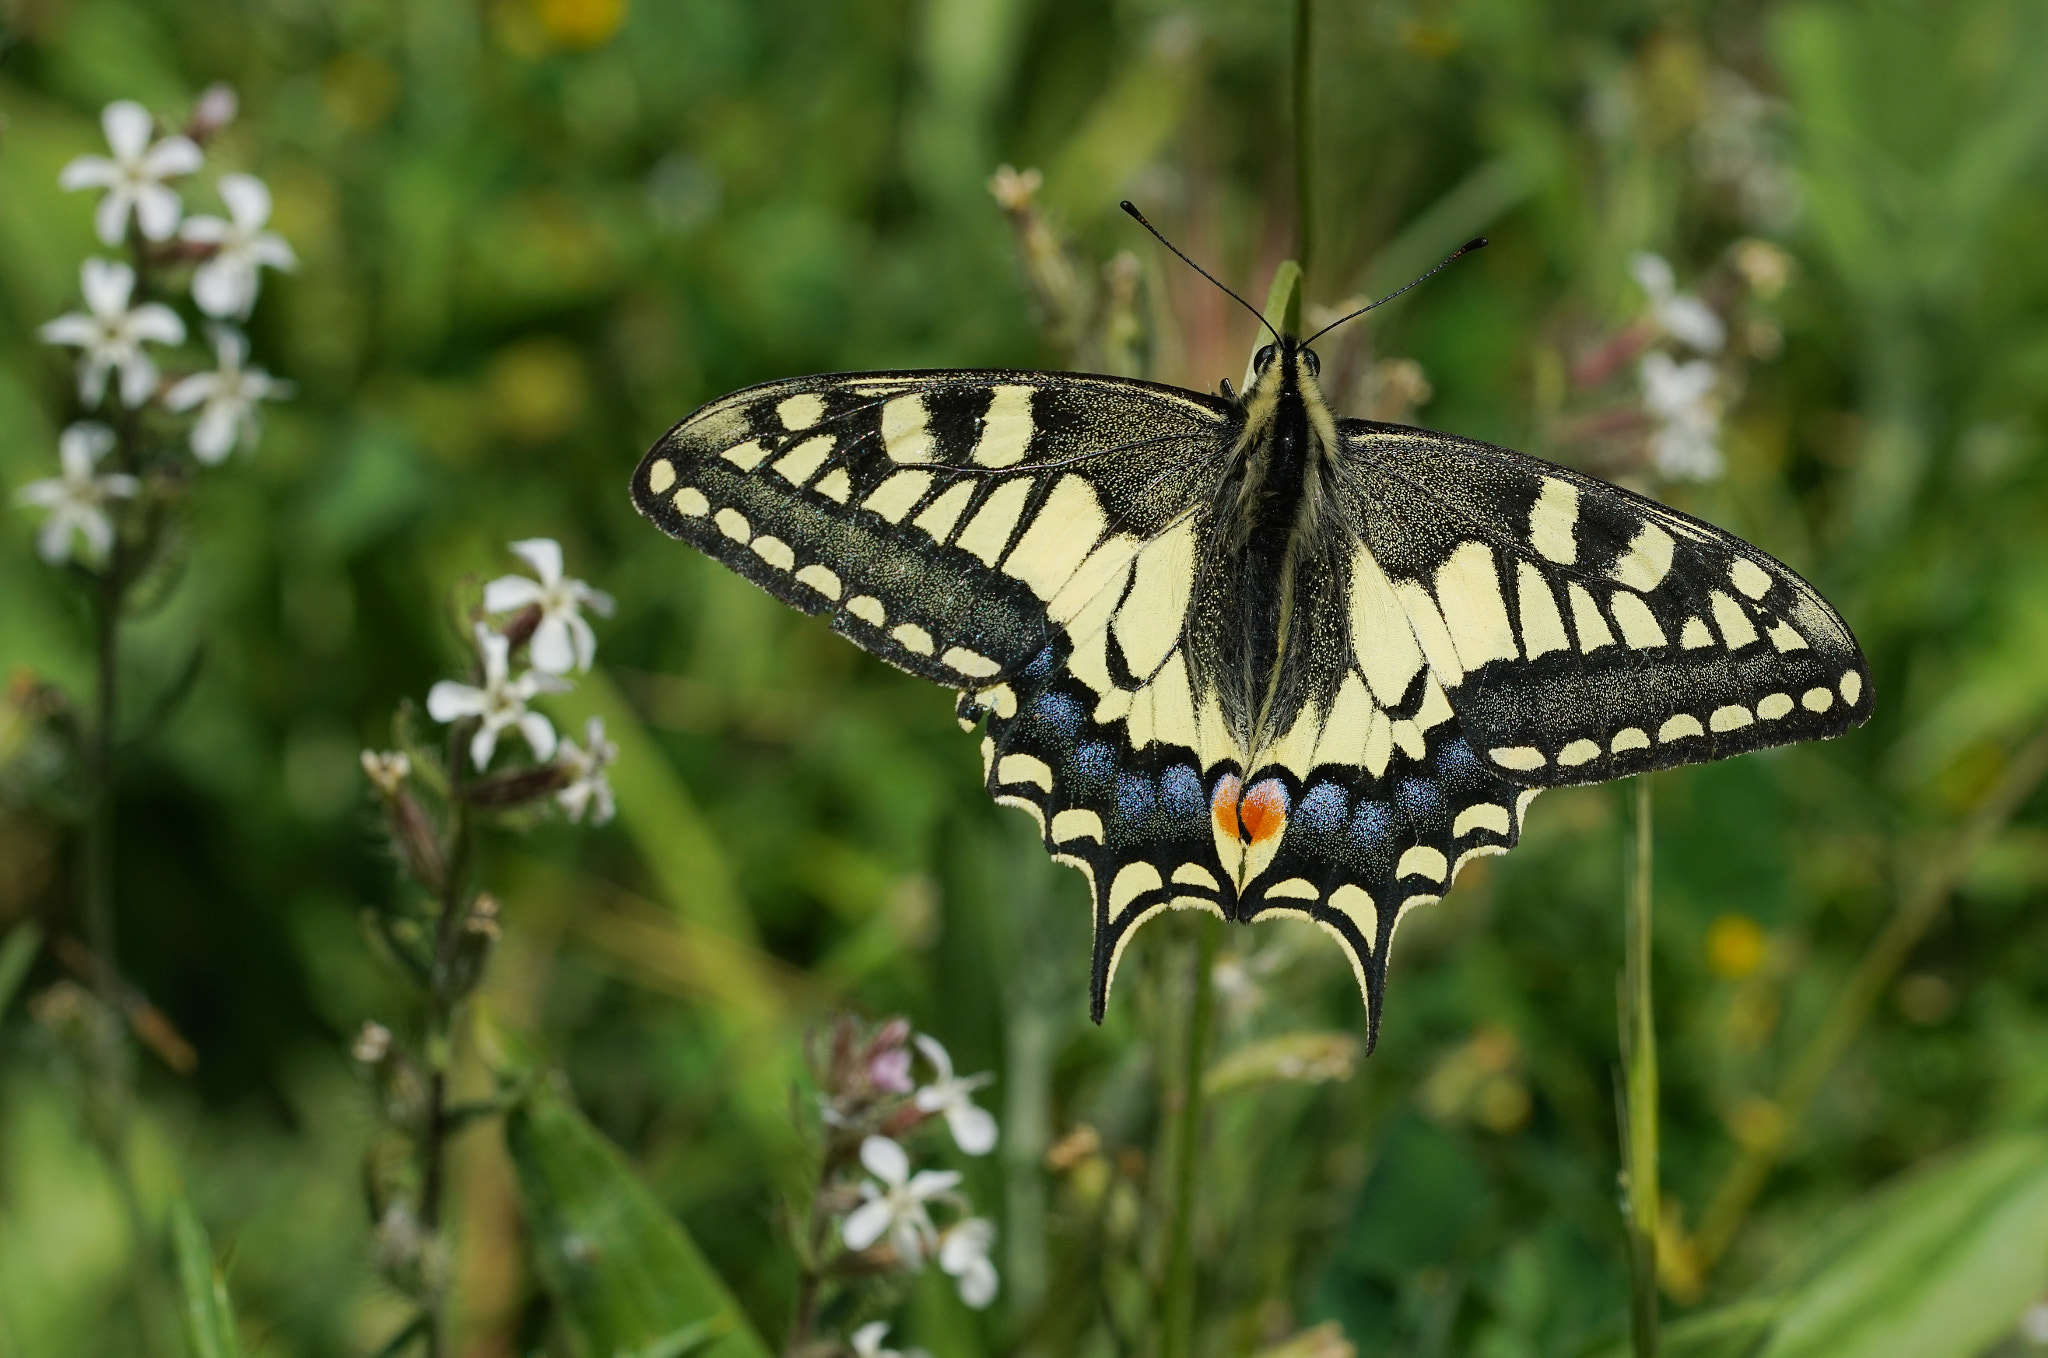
{"points": [[1177, 1297], [1639, 1102], [1304, 204]]}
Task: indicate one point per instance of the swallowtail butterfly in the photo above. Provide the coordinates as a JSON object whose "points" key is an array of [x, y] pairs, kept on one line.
{"points": [[1237, 652]]}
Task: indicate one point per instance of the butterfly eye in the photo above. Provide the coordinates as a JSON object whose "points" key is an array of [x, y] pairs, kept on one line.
{"points": [[1314, 364], [1263, 359]]}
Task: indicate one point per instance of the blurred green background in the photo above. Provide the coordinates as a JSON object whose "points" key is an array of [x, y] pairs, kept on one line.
{"points": [[535, 233]]}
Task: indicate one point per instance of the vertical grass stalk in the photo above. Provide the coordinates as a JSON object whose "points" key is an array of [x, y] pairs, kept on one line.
{"points": [[1304, 202], [1642, 1193], [1177, 1294]]}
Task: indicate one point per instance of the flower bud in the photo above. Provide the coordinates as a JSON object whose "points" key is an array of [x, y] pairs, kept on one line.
{"points": [[216, 108], [471, 950]]}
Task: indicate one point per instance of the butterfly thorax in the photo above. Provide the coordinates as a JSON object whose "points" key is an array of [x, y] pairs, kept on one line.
{"points": [[1274, 528]]}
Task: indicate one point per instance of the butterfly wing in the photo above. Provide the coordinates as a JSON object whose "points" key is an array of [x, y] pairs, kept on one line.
{"points": [[940, 518], [1582, 632]]}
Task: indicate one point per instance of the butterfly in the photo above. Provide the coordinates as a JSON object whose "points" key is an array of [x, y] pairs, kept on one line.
{"points": [[1238, 653]]}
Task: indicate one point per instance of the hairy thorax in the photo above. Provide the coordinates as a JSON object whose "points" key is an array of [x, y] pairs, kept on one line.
{"points": [[1274, 534]]}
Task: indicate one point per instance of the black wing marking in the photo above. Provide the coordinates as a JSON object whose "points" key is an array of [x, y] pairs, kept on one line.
{"points": [[1582, 632], [948, 521]]}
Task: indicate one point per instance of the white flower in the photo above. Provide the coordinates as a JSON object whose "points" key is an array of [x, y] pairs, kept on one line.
{"points": [[973, 1128], [77, 499], [225, 284], [1680, 315], [387, 769], [501, 702], [134, 177], [1680, 398], [895, 1207], [227, 398], [586, 764], [963, 1253], [562, 641], [109, 335], [867, 1343]]}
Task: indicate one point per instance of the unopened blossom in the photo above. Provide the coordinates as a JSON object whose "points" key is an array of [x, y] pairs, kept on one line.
{"points": [[963, 1253], [973, 1127], [1680, 315], [77, 498], [499, 704], [867, 1343], [109, 334], [563, 640], [225, 284], [387, 770], [134, 175], [1679, 397], [894, 1203], [226, 398], [372, 1044], [588, 790]]}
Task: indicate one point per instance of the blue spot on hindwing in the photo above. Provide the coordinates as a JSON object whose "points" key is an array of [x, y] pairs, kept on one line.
{"points": [[1322, 808], [1180, 792]]}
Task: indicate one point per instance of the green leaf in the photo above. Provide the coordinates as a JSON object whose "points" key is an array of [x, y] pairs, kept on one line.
{"points": [[626, 1275], [1283, 300], [202, 1292], [1940, 1264]]}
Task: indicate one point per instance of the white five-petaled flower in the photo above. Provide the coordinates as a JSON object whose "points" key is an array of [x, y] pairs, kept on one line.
{"points": [[77, 499], [227, 397], [588, 787], [1680, 398], [109, 334], [134, 176], [500, 703], [1680, 315], [867, 1343], [563, 640], [973, 1127], [225, 283], [895, 1207], [963, 1253]]}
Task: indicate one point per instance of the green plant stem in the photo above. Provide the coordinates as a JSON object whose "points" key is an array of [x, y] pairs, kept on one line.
{"points": [[99, 828], [1639, 1104], [1177, 1296], [1887, 953], [1304, 205], [441, 1013]]}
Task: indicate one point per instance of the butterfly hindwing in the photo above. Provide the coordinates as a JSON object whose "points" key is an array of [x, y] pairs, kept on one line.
{"points": [[936, 516], [1582, 632]]}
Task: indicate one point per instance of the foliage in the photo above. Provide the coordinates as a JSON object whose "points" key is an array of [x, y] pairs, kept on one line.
{"points": [[532, 234]]}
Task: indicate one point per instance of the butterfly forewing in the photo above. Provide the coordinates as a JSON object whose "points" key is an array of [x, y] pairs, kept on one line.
{"points": [[935, 516], [1582, 632]]}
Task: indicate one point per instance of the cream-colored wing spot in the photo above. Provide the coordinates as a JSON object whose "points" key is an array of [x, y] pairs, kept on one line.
{"points": [[1521, 758], [733, 524], [905, 437], [1817, 699], [1006, 429], [1774, 705], [1587, 620], [746, 456], [1074, 824], [1694, 635], [661, 474], [1852, 687], [1638, 624], [1554, 521], [1024, 768], [774, 551], [689, 500], [988, 532], [1132, 881], [868, 609], [1432, 632], [820, 578], [1736, 628], [1786, 637], [1381, 638], [1679, 728], [801, 463], [1732, 717], [1647, 559], [1578, 752], [1542, 626], [940, 516], [1630, 738], [835, 485], [1423, 861], [1468, 592], [1148, 622], [1064, 532], [1749, 577], [895, 497], [973, 664], [800, 412], [1481, 816], [913, 638]]}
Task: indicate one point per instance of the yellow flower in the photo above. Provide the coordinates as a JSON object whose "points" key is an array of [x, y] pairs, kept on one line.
{"points": [[1735, 946], [580, 23]]}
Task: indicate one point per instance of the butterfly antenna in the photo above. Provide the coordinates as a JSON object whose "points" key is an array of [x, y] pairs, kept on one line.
{"points": [[1140, 218], [1476, 243]]}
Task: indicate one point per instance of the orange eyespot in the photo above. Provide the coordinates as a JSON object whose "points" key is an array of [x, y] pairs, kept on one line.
{"points": [[1258, 816], [1264, 811], [1223, 806]]}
